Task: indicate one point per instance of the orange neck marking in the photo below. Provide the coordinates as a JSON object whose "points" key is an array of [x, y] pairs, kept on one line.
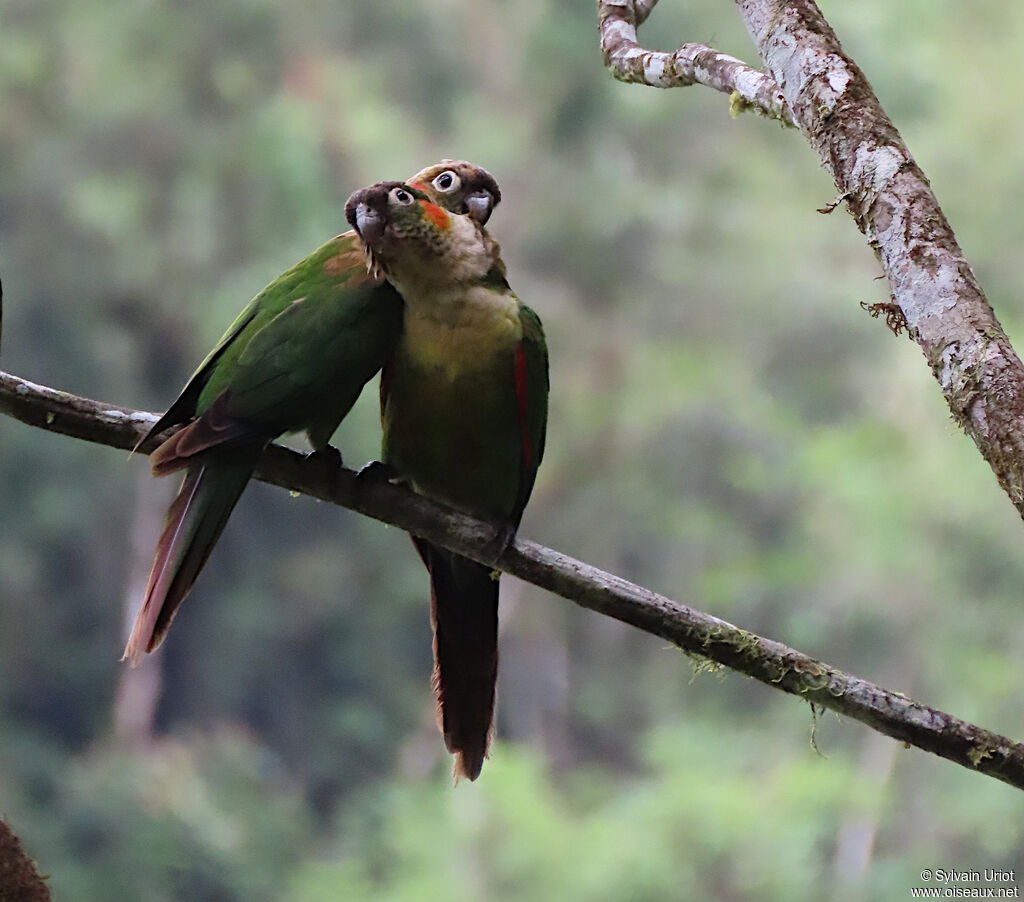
{"points": [[436, 215]]}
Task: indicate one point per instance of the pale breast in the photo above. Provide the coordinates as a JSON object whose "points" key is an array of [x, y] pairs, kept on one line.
{"points": [[461, 333]]}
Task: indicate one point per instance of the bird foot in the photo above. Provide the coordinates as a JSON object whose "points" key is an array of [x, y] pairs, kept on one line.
{"points": [[378, 471], [329, 457], [498, 544]]}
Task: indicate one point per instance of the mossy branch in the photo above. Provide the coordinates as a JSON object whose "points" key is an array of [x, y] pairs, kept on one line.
{"points": [[695, 632]]}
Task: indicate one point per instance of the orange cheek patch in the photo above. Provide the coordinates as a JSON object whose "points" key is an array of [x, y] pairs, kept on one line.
{"points": [[436, 215]]}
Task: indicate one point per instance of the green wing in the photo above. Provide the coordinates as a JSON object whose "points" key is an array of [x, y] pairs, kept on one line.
{"points": [[331, 328], [305, 369], [297, 356]]}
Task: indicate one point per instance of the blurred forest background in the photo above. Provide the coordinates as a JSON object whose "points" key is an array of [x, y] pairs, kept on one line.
{"points": [[728, 427]]}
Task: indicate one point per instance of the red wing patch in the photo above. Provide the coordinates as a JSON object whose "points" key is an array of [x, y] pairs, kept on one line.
{"points": [[436, 215], [521, 401]]}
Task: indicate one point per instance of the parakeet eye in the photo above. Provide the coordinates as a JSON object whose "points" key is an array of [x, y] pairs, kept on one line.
{"points": [[401, 197], [447, 182]]}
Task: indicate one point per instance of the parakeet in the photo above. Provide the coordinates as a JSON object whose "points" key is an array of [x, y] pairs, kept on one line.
{"points": [[294, 360], [464, 406]]}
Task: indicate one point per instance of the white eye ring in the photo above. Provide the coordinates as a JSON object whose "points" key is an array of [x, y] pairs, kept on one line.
{"points": [[447, 182], [401, 197]]}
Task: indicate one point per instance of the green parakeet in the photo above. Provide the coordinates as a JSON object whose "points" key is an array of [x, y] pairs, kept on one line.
{"points": [[294, 360], [464, 403]]}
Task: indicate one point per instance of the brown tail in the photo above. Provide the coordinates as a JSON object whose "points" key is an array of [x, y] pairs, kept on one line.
{"points": [[192, 526], [464, 615]]}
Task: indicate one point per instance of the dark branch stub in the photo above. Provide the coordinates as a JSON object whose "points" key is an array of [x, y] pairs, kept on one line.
{"points": [[19, 879]]}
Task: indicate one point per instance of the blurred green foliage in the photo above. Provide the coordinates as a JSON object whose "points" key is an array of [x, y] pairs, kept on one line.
{"points": [[728, 427]]}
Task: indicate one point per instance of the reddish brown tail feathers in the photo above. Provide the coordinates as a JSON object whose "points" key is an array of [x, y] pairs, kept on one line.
{"points": [[192, 526], [464, 615]]}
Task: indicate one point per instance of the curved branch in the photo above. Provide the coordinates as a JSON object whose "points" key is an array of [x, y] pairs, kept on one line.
{"points": [[829, 99], [691, 630], [892, 203], [690, 64]]}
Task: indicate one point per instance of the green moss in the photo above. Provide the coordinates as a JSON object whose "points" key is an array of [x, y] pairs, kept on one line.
{"points": [[977, 755], [738, 105], [815, 720], [702, 664]]}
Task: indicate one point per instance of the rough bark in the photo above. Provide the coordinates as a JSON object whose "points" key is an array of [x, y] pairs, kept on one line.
{"points": [[822, 91], [695, 632], [690, 64], [892, 203]]}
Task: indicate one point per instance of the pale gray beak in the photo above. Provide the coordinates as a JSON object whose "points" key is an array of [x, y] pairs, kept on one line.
{"points": [[479, 206], [369, 224]]}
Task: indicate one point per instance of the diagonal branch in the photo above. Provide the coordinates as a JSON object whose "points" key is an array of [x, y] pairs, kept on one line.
{"points": [[892, 203], [825, 94], [690, 64], [691, 630]]}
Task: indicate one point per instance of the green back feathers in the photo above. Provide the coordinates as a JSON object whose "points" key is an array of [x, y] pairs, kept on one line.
{"points": [[297, 356]]}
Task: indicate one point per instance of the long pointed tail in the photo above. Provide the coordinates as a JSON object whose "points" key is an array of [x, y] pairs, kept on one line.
{"points": [[464, 615], [192, 526]]}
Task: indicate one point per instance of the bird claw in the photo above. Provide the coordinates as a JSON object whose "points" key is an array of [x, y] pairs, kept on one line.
{"points": [[376, 471], [329, 455], [498, 544]]}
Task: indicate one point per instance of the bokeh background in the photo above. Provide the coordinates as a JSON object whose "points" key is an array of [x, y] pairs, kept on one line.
{"points": [[728, 426]]}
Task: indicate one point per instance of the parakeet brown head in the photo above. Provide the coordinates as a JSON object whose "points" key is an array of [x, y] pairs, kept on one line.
{"points": [[459, 187], [411, 239]]}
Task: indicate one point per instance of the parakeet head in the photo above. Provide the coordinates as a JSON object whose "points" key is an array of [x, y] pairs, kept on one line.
{"points": [[459, 187], [411, 239]]}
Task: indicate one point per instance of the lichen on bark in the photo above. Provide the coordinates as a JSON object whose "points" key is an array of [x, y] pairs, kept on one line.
{"points": [[891, 201]]}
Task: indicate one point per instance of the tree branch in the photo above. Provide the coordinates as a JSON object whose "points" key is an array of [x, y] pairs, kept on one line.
{"points": [[690, 64], [829, 99], [892, 203], [691, 630]]}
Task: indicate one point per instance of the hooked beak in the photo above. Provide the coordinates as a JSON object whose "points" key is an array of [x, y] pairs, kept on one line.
{"points": [[366, 212], [368, 223], [479, 206]]}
